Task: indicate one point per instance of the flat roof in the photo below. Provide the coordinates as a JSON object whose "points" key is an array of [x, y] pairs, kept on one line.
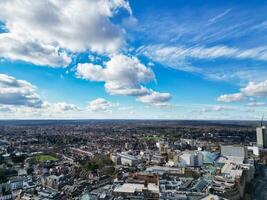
{"points": [[135, 187], [127, 156]]}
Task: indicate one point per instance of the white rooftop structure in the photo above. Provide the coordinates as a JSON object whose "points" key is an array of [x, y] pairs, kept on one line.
{"points": [[134, 187], [232, 170], [127, 156], [212, 197], [234, 153], [127, 159], [191, 158], [230, 159], [254, 149]]}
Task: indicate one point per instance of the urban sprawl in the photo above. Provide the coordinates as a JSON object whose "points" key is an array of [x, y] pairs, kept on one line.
{"points": [[117, 160]]}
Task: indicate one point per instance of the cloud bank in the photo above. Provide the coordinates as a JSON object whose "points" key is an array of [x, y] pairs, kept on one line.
{"points": [[45, 32]]}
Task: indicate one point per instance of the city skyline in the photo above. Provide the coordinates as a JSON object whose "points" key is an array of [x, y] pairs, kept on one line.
{"points": [[121, 59]]}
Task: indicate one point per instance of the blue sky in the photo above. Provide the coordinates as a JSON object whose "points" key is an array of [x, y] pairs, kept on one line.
{"points": [[133, 59]]}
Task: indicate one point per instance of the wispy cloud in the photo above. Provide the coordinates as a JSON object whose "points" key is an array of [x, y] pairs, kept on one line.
{"points": [[202, 60], [256, 104], [216, 18], [174, 54], [218, 108]]}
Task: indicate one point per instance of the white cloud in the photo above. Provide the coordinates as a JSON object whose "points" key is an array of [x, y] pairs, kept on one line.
{"points": [[60, 107], [124, 76], [90, 72], [156, 99], [251, 90], [47, 110], [18, 92], [100, 105], [6, 109], [20, 98], [231, 97], [255, 89], [217, 108], [38, 29], [30, 50], [256, 104]]}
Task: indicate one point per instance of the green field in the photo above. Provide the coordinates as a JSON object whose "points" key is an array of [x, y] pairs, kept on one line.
{"points": [[45, 158], [155, 138]]}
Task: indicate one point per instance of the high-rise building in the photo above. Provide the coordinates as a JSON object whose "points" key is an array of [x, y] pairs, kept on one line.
{"points": [[261, 137]]}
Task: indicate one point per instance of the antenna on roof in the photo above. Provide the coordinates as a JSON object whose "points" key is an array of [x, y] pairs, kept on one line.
{"points": [[262, 119]]}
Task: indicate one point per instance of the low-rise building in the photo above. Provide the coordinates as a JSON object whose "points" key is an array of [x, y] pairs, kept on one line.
{"points": [[137, 190], [238, 153], [128, 160], [230, 182], [57, 182]]}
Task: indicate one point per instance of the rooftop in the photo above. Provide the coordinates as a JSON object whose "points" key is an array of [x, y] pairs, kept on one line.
{"points": [[133, 187]]}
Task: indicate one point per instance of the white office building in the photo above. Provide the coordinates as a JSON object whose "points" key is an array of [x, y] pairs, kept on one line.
{"points": [[191, 158]]}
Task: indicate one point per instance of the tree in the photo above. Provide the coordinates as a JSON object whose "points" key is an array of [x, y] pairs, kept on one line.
{"points": [[2, 159], [18, 159]]}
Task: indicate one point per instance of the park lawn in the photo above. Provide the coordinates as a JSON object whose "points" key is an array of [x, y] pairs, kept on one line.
{"points": [[45, 158], [155, 138]]}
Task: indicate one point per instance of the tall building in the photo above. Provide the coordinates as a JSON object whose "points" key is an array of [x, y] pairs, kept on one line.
{"points": [[261, 137]]}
